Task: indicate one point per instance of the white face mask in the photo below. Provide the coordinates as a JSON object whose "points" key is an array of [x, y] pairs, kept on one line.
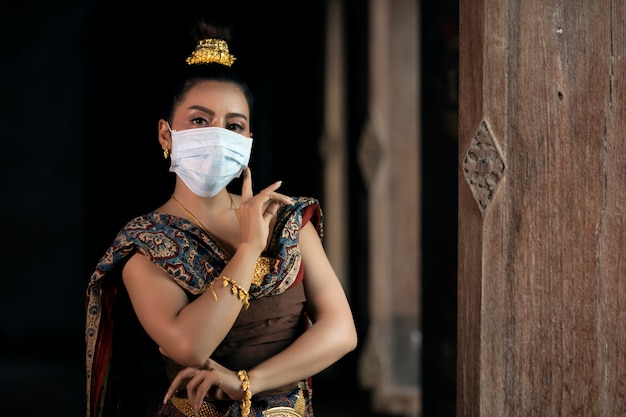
{"points": [[208, 158]]}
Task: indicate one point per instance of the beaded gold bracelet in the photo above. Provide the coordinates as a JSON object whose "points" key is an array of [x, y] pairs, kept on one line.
{"points": [[236, 289], [247, 397]]}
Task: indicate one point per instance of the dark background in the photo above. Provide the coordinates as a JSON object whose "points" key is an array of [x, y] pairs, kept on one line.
{"points": [[80, 156]]}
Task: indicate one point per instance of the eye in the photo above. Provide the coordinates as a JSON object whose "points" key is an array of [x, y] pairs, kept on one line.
{"points": [[235, 127], [200, 121]]}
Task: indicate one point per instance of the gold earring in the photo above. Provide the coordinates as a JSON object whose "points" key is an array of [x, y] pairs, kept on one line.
{"points": [[166, 153]]}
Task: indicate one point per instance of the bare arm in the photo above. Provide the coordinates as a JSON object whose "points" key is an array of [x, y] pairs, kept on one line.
{"points": [[332, 335], [189, 332]]}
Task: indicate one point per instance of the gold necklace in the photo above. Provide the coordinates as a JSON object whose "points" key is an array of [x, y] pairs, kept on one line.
{"points": [[194, 218], [199, 223], [263, 263], [232, 204]]}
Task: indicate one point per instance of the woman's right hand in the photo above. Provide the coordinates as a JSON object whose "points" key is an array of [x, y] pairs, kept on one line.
{"points": [[213, 382], [257, 211]]}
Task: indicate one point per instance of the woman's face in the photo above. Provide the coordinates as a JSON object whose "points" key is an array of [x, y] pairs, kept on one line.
{"points": [[214, 104]]}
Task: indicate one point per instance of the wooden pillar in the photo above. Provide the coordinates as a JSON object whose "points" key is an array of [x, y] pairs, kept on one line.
{"points": [[542, 201], [389, 160], [333, 144]]}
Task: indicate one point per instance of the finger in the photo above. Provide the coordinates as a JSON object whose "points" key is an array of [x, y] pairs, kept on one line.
{"points": [[208, 388], [215, 393], [280, 198], [270, 193], [271, 210], [178, 381], [271, 188], [202, 389], [246, 186], [219, 394], [195, 392]]}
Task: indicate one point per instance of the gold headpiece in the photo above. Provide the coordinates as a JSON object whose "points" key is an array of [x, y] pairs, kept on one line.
{"points": [[211, 50]]}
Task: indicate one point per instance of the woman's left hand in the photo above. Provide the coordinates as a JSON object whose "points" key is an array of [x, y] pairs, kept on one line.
{"points": [[212, 381], [257, 210]]}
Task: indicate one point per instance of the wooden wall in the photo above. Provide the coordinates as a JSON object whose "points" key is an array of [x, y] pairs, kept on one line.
{"points": [[542, 196]]}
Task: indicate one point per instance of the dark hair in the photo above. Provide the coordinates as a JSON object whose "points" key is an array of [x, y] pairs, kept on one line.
{"points": [[187, 76]]}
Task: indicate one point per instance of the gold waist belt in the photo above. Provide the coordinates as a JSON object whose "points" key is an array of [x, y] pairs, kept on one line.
{"points": [[209, 410]]}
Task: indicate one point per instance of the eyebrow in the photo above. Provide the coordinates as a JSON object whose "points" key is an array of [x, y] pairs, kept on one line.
{"points": [[212, 113]]}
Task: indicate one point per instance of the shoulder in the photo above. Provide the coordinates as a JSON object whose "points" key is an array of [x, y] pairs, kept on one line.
{"points": [[301, 206], [174, 245], [149, 221], [301, 203], [135, 233], [155, 235], [302, 211], [151, 224]]}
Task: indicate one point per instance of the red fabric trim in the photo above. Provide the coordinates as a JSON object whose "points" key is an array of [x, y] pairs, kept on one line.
{"points": [[310, 214], [313, 214], [103, 348]]}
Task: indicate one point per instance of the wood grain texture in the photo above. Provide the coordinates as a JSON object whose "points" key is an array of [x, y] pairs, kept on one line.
{"points": [[541, 275]]}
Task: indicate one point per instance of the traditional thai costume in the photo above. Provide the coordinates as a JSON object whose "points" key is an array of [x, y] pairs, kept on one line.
{"points": [[193, 259]]}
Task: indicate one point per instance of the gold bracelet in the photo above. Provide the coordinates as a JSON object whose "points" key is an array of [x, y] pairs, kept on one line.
{"points": [[236, 289], [247, 397]]}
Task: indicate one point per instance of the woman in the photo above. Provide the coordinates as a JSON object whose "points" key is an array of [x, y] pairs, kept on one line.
{"points": [[236, 291]]}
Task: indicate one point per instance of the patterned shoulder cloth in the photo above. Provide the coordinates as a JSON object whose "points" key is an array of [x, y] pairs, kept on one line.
{"points": [[193, 259]]}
